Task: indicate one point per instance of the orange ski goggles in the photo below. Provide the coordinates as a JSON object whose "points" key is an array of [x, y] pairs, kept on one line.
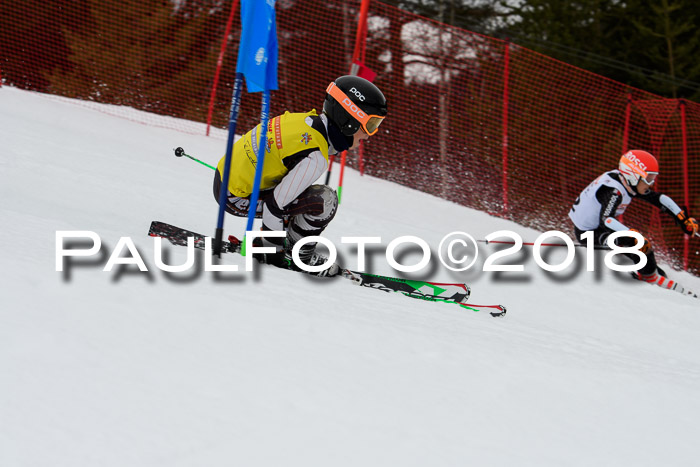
{"points": [[370, 123]]}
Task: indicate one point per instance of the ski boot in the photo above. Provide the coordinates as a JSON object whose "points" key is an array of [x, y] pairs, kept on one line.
{"points": [[307, 254]]}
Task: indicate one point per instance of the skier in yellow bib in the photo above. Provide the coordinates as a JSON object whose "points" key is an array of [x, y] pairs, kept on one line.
{"points": [[296, 155]]}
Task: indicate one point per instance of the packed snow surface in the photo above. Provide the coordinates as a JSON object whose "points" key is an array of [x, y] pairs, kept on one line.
{"points": [[273, 368]]}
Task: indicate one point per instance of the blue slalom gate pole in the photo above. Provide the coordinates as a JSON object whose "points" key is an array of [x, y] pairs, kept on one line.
{"points": [[262, 147], [233, 117], [257, 62]]}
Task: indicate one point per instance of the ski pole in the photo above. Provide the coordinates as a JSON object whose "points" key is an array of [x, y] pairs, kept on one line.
{"points": [[330, 167], [179, 152], [579, 245]]}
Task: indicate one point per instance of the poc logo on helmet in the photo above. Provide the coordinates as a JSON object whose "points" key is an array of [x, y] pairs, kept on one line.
{"points": [[630, 155], [349, 105], [357, 93]]}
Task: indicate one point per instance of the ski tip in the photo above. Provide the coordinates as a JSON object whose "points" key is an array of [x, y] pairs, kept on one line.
{"points": [[153, 229], [499, 310]]}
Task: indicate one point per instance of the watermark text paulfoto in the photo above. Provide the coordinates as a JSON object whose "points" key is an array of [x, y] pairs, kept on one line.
{"points": [[457, 251]]}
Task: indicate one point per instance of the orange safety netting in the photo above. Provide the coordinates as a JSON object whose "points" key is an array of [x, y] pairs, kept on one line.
{"points": [[472, 119]]}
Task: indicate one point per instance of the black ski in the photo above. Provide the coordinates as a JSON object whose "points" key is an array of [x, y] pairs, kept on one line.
{"points": [[425, 290]]}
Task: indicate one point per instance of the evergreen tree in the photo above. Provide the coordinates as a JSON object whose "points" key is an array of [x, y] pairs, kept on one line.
{"points": [[651, 44], [574, 31], [473, 15], [667, 34]]}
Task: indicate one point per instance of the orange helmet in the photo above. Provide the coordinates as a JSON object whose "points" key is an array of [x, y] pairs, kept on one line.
{"points": [[638, 165]]}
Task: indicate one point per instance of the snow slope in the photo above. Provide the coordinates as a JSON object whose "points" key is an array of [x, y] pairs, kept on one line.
{"points": [[274, 368]]}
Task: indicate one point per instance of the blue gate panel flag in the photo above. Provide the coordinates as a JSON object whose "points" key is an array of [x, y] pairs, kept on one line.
{"points": [[257, 52]]}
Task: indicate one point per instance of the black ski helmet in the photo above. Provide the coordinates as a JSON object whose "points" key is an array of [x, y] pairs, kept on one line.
{"points": [[361, 104]]}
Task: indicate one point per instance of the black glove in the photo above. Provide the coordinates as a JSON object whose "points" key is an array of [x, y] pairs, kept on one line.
{"points": [[628, 241]]}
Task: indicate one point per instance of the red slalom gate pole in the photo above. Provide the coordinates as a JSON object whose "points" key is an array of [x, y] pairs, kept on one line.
{"points": [[360, 37], [219, 64], [506, 71], [626, 131], [686, 192]]}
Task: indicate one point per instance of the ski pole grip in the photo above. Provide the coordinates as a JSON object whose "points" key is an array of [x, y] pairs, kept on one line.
{"points": [[179, 152], [218, 242]]}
